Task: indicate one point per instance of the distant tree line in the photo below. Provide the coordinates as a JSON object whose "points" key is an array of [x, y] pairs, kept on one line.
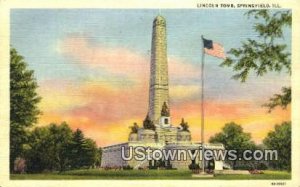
{"points": [[233, 137]]}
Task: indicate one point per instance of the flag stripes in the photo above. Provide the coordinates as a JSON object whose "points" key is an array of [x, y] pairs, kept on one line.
{"points": [[216, 51], [213, 48]]}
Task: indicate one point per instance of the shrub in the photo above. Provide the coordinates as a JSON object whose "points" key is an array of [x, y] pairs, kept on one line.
{"points": [[19, 165], [261, 166], [194, 166], [169, 166], [153, 167], [127, 167]]}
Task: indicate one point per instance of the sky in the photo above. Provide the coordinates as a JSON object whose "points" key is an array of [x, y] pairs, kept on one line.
{"points": [[92, 67]]}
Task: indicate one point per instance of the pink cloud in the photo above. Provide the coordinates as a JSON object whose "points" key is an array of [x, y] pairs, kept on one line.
{"points": [[114, 60], [104, 111], [118, 60], [179, 69], [109, 112]]}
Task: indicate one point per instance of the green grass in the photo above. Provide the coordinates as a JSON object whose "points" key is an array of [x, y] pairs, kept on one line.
{"points": [[268, 175], [145, 174]]}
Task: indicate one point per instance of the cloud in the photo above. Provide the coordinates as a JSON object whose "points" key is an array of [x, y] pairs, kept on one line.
{"points": [[119, 60], [179, 93], [105, 112], [105, 104], [104, 107], [60, 95], [252, 117], [115, 60]]}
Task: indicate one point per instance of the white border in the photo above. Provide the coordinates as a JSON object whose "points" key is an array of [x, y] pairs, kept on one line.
{"points": [[6, 5]]}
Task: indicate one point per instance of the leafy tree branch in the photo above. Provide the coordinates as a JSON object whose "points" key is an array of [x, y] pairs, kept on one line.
{"points": [[282, 99], [265, 54]]}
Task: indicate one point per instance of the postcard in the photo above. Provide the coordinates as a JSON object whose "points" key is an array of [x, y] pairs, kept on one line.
{"points": [[164, 93]]}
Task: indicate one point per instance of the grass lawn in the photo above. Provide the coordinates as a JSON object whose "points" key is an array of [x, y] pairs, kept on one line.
{"points": [[145, 174], [268, 175]]}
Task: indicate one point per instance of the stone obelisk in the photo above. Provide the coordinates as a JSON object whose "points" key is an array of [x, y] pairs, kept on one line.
{"points": [[159, 87]]}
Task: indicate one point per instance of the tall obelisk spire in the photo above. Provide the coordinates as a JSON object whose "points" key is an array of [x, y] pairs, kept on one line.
{"points": [[159, 84]]}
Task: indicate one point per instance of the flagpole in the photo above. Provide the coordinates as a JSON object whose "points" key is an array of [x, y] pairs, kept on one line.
{"points": [[202, 105]]}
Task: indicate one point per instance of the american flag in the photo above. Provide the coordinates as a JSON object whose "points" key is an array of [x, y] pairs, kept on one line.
{"points": [[213, 48]]}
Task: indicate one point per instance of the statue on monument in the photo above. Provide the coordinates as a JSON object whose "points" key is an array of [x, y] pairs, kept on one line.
{"points": [[165, 110], [148, 124], [184, 125], [134, 128]]}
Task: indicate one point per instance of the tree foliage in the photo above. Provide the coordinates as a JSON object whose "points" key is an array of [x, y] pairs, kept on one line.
{"points": [[58, 148], [83, 150], [48, 148], [264, 53], [283, 99], [280, 139], [23, 104], [233, 138]]}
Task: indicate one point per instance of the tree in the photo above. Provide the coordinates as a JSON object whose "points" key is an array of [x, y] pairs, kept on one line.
{"points": [[265, 53], [90, 155], [37, 155], [233, 138], [280, 140], [48, 148], [282, 100], [58, 148], [99, 157], [60, 137], [76, 148], [23, 104], [184, 125], [83, 151]]}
